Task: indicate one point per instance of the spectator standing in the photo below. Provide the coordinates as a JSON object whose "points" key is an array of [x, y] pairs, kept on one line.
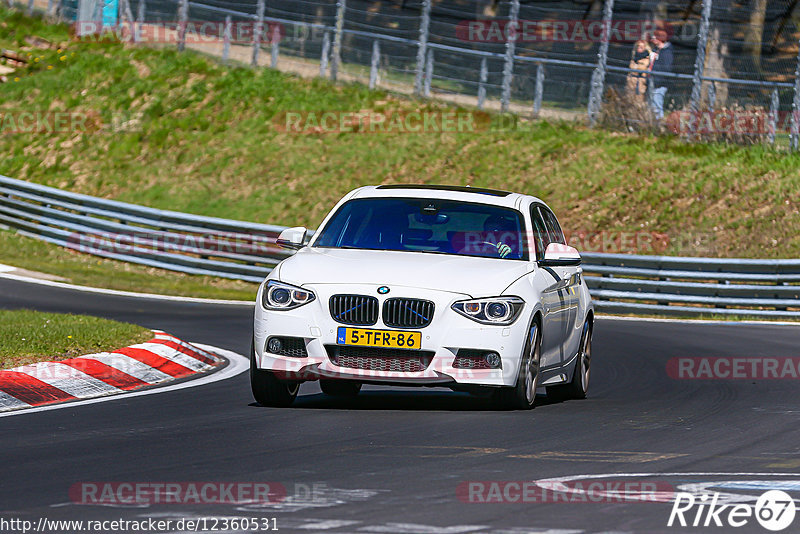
{"points": [[636, 83], [661, 64]]}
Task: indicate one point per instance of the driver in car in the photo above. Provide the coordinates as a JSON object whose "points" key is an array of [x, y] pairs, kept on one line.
{"points": [[497, 229]]}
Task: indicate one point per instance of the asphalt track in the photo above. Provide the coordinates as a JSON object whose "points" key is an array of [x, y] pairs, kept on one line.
{"points": [[392, 460]]}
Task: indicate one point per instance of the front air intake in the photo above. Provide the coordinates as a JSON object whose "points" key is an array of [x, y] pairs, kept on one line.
{"points": [[407, 313], [358, 310], [375, 359]]}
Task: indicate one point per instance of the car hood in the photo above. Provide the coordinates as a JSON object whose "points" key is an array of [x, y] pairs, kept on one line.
{"points": [[476, 277]]}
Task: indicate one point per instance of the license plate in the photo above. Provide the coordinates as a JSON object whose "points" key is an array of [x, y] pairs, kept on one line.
{"points": [[392, 339]]}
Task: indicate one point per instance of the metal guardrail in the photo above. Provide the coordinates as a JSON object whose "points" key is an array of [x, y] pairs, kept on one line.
{"points": [[619, 283], [626, 283], [157, 238]]}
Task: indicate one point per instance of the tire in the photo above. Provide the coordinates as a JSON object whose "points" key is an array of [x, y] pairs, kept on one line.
{"points": [[340, 388], [579, 385], [268, 390], [522, 396]]}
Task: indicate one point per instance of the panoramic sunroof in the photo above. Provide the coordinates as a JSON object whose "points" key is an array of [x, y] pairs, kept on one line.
{"points": [[459, 188]]}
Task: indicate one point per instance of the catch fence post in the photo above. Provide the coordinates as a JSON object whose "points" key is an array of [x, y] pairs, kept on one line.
{"points": [[337, 39], [422, 45], [374, 64], [599, 74], [257, 31], [326, 51], [484, 76], [699, 67], [183, 18], [512, 28]]}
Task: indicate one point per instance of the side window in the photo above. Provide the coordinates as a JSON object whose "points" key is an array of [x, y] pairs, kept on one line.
{"points": [[556, 235], [540, 236]]}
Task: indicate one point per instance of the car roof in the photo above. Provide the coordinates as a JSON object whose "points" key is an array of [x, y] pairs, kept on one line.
{"points": [[447, 192], [462, 188]]}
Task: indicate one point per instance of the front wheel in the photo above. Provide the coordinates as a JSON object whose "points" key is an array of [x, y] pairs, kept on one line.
{"points": [[522, 396], [268, 390]]}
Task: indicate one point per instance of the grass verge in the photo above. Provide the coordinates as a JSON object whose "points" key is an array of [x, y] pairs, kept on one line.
{"points": [[30, 336]]}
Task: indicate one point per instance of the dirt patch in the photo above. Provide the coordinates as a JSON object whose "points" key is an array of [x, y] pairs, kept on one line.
{"points": [[142, 70]]}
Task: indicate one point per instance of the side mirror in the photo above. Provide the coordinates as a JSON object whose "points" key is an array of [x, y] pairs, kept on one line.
{"points": [[293, 238], [557, 254]]}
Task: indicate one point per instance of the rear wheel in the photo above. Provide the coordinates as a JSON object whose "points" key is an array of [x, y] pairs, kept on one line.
{"points": [[579, 386], [268, 390], [340, 388], [522, 396]]}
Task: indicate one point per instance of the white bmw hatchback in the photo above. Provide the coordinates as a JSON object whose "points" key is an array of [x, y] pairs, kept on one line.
{"points": [[466, 288]]}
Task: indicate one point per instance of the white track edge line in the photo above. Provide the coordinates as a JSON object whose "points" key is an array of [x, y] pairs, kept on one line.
{"points": [[237, 364], [119, 293], [693, 321]]}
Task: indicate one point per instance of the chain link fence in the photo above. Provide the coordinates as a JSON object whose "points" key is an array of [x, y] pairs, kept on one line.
{"points": [[733, 77]]}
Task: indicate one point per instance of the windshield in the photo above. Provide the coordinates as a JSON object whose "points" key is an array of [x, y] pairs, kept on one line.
{"points": [[426, 225]]}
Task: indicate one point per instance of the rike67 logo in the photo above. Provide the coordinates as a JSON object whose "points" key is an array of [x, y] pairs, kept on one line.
{"points": [[774, 510]]}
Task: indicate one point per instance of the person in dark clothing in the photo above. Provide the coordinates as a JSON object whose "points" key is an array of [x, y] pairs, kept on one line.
{"points": [[661, 63]]}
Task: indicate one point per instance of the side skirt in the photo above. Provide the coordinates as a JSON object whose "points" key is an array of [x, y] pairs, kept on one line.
{"points": [[558, 374]]}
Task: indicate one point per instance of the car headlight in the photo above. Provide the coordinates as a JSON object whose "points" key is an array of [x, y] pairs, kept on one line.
{"points": [[280, 296], [493, 310]]}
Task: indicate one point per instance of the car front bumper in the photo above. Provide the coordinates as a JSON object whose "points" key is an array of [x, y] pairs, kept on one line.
{"points": [[447, 333]]}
